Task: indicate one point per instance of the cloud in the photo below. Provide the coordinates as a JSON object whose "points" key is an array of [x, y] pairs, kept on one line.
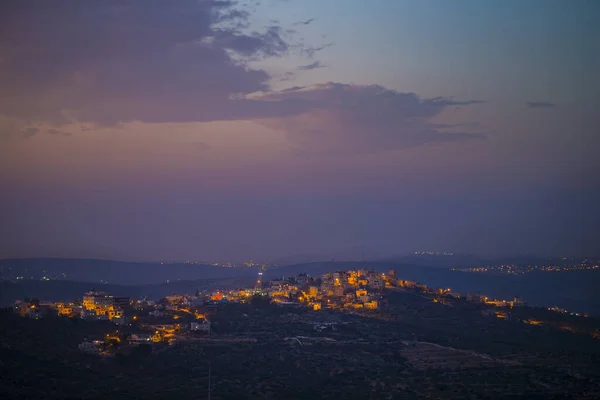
{"points": [[29, 132], [310, 51], [307, 22], [314, 65], [540, 104], [109, 62], [287, 76], [57, 132], [365, 119]]}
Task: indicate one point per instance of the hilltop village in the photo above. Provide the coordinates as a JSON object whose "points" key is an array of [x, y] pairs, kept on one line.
{"points": [[352, 331], [183, 317]]}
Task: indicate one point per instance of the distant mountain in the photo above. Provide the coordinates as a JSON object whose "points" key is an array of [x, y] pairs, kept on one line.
{"points": [[470, 261], [440, 261], [69, 290], [574, 291], [117, 272]]}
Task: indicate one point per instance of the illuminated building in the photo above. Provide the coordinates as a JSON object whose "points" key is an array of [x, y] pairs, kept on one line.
{"points": [[376, 283], [140, 338], [93, 300], [259, 280], [371, 305]]}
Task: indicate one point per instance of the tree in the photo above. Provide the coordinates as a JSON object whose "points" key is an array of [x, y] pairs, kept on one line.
{"points": [[141, 351], [260, 301]]}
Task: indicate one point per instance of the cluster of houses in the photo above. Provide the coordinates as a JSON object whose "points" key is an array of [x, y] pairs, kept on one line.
{"points": [[339, 290], [177, 315], [360, 289], [95, 305]]}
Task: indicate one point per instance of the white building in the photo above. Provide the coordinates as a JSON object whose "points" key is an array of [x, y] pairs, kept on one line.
{"points": [[88, 347], [200, 326]]}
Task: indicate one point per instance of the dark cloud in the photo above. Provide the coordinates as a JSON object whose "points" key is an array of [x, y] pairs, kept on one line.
{"points": [[361, 119], [112, 61], [307, 22], [310, 51], [540, 104], [314, 65], [293, 89], [267, 44], [57, 132], [29, 132]]}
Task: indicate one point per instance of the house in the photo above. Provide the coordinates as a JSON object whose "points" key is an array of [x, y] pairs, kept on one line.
{"points": [[36, 313], [39, 310], [140, 338], [372, 305], [88, 347], [200, 326], [211, 306], [289, 304], [196, 302], [97, 300]]}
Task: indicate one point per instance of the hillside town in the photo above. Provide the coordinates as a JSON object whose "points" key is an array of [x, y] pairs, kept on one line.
{"points": [[184, 317], [360, 322]]}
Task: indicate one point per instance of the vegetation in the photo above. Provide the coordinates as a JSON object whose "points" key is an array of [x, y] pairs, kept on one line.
{"points": [[373, 355]]}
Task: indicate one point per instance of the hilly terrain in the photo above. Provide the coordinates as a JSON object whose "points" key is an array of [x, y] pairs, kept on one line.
{"points": [[574, 290], [107, 271]]}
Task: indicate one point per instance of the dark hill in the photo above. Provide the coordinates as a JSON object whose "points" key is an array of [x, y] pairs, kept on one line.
{"points": [[69, 290], [105, 271]]}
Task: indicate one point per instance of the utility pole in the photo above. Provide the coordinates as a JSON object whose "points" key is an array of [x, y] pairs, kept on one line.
{"points": [[209, 384]]}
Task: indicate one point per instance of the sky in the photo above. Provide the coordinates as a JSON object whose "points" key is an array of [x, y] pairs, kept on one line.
{"points": [[219, 130]]}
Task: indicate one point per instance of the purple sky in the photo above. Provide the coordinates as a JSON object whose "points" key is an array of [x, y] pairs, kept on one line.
{"points": [[214, 130]]}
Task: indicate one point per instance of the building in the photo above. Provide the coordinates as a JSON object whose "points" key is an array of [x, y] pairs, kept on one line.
{"points": [[36, 312], [121, 302], [156, 313], [376, 282], [371, 305], [289, 304], [174, 299], [21, 308], [89, 347], [200, 326], [140, 338], [259, 281], [93, 300]]}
